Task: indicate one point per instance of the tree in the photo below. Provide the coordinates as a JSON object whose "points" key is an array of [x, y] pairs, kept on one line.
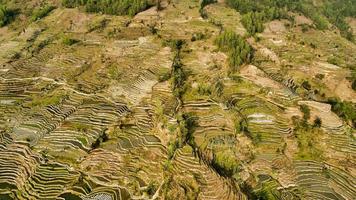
{"points": [[5, 15], [317, 122], [306, 112]]}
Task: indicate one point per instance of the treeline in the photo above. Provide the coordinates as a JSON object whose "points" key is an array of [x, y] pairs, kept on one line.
{"points": [[256, 12], [111, 7], [336, 11], [238, 49]]}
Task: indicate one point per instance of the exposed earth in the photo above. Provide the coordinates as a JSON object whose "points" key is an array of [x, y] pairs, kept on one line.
{"points": [[95, 106]]}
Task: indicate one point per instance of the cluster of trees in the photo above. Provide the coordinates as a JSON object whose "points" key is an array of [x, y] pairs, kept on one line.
{"points": [[178, 74], [344, 109], [112, 7], [336, 11], [186, 123], [238, 49], [253, 21], [257, 12]]}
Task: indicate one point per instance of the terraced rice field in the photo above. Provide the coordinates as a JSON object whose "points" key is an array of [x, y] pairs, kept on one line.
{"points": [[105, 118]]}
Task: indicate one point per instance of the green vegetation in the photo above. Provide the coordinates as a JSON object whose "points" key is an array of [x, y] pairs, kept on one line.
{"points": [[80, 127], [102, 138], [69, 41], [203, 4], [206, 2], [198, 36], [171, 149], [178, 75], [151, 188], [41, 101], [317, 122], [6, 15], [306, 85], [40, 13], [336, 11], [334, 60], [218, 88], [97, 24], [253, 22], [306, 112], [239, 50], [113, 72], [164, 76], [111, 7], [265, 194], [204, 89], [257, 12], [344, 109], [225, 162], [307, 138], [187, 123], [353, 79]]}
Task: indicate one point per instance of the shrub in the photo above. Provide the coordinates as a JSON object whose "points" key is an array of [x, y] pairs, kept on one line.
{"points": [[204, 89], [97, 25], [197, 36], [320, 76], [306, 85], [164, 76], [306, 112], [172, 147], [219, 88], [80, 127], [69, 41], [151, 188], [305, 27], [202, 5], [265, 194], [102, 138], [334, 60], [187, 123], [317, 122], [41, 12], [320, 22]]}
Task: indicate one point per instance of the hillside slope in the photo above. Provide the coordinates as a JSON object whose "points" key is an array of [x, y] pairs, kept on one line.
{"points": [[179, 99]]}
